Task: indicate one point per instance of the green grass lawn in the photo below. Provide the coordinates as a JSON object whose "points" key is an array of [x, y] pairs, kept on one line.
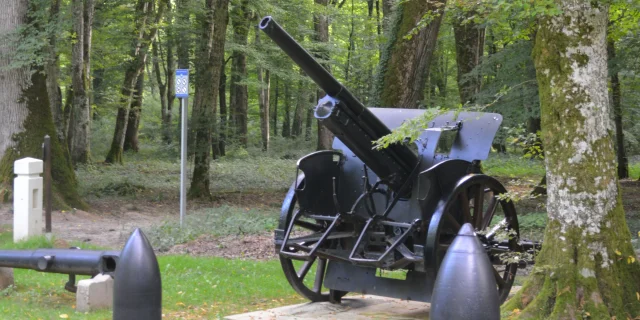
{"points": [[193, 288]]}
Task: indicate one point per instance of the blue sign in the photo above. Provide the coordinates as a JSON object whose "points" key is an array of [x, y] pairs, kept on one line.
{"points": [[182, 83]]}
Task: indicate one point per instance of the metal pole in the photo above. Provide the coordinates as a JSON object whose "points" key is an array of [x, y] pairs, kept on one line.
{"points": [[46, 149], [183, 160]]}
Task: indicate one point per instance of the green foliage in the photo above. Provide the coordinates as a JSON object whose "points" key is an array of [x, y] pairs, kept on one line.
{"points": [[410, 130]]}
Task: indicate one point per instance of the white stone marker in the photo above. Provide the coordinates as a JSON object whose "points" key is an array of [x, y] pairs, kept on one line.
{"points": [[93, 294], [27, 199]]}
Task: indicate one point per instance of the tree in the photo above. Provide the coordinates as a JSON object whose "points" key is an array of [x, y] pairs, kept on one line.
{"points": [[616, 103], [264, 92], [239, 100], [148, 15], [405, 60], [135, 110], [26, 114], [208, 69], [321, 26], [587, 266], [79, 134], [469, 39], [52, 70]]}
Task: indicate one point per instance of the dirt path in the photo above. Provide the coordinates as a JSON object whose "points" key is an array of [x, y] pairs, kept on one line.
{"points": [[107, 225]]}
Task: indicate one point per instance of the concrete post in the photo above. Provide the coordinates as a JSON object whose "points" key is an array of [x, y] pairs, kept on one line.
{"points": [[94, 294], [27, 199]]}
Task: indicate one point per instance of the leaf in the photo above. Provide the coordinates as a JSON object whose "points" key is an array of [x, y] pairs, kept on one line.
{"points": [[638, 295], [618, 252]]}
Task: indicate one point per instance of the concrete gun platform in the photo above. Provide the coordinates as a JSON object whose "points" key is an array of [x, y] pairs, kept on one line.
{"points": [[352, 308]]}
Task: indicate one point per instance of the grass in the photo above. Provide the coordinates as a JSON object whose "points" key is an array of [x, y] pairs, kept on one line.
{"points": [[219, 221], [513, 166], [193, 288]]}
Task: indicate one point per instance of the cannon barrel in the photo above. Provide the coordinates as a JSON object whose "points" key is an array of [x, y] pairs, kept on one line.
{"points": [[65, 261], [348, 118]]}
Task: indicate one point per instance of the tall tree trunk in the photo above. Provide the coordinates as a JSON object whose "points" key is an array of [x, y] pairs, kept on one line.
{"points": [[388, 7], [240, 19], [404, 63], [135, 111], [586, 268], [147, 20], [52, 70], [210, 59], [222, 97], [308, 125], [80, 125], [165, 112], [298, 114], [26, 115], [275, 108], [264, 106], [616, 100], [321, 26], [286, 124], [469, 39], [89, 12]]}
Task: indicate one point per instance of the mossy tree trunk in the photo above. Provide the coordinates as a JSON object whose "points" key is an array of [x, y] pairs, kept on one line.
{"points": [[26, 117], [405, 60], [586, 268], [208, 69]]}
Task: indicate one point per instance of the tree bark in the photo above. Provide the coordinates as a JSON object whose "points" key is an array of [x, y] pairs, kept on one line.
{"points": [[147, 20], [298, 114], [286, 124], [135, 111], [80, 125], [165, 112], [321, 26], [240, 19], [404, 63], [616, 101], [388, 7], [584, 269], [210, 59], [26, 116], [469, 40], [52, 69], [265, 89], [222, 97], [275, 108]]}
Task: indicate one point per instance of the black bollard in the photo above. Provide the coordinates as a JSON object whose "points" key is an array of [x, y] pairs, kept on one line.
{"points": [[137, 287], [465, 287]]}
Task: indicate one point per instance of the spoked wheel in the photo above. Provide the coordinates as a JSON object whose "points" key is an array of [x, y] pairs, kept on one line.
{"points": [[476, 200], [306, 277]]}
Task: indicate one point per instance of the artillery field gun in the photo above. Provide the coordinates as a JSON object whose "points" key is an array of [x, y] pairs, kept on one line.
{"points": [[355, 215]]}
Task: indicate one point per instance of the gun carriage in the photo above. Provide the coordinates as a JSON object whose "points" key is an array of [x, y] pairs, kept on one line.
{"points": [[355, 214]]}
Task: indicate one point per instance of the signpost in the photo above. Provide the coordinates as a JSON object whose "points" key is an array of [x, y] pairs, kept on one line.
{"points": [[182, 92]]}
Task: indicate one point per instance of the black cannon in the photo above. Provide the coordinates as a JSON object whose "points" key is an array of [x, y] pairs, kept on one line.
{"points": [[358, 219], [72, 261]]}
